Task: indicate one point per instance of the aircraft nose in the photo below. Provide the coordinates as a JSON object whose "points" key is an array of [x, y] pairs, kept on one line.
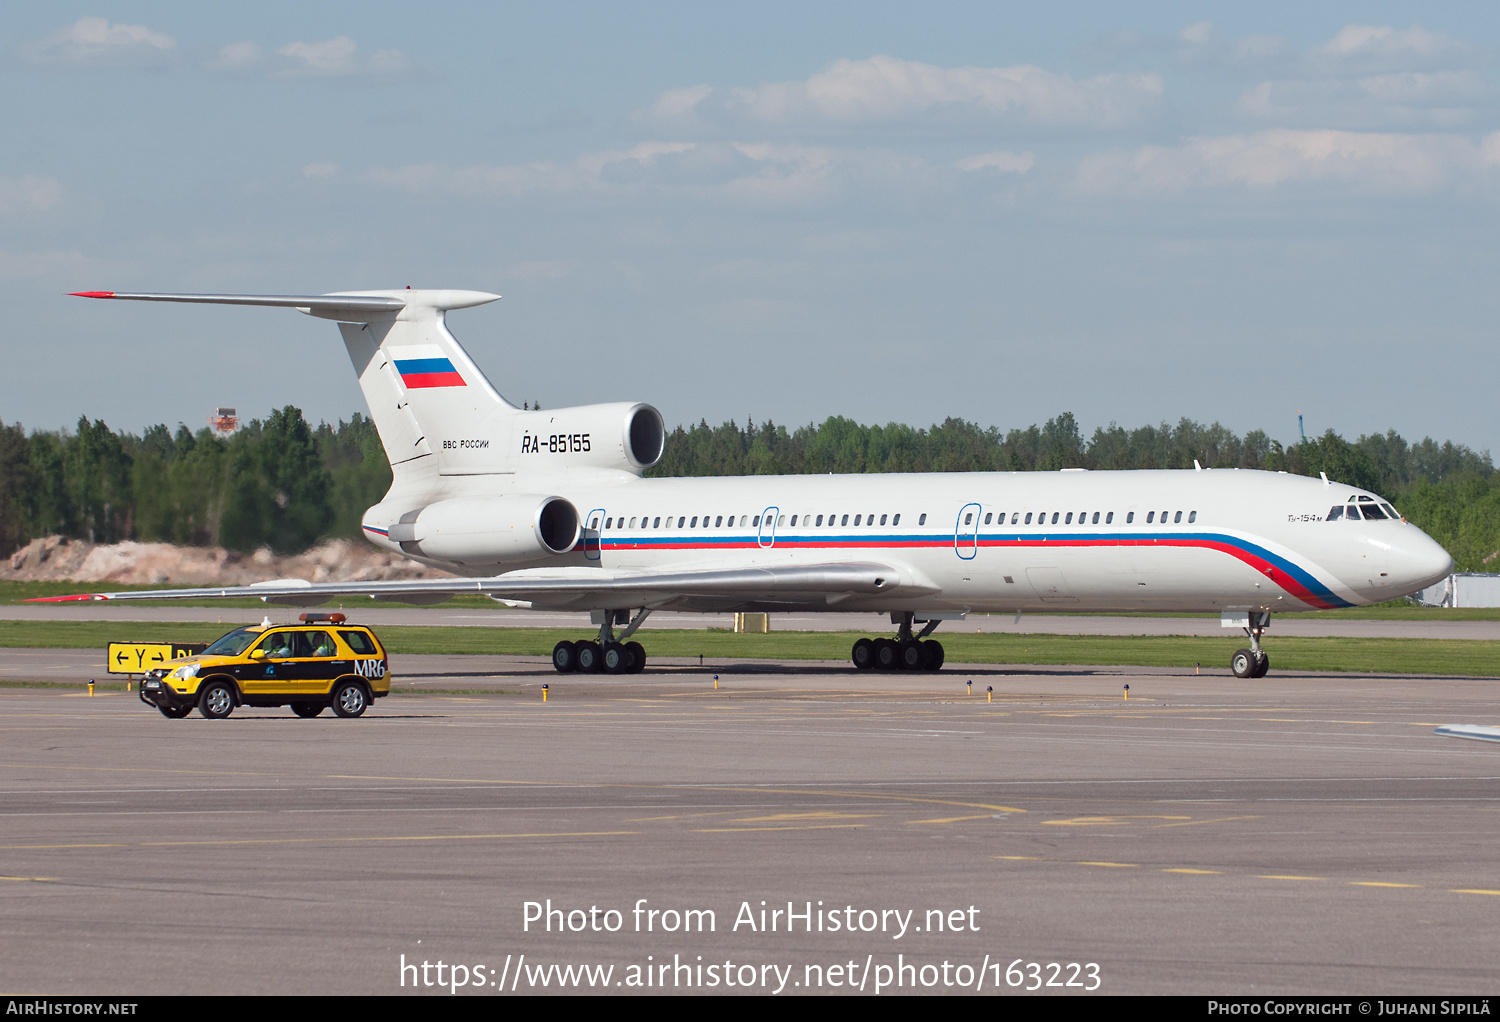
{"points": [[1418, 561]]}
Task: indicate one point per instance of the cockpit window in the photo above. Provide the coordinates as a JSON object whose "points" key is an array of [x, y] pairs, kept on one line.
{"points": [[1390, 511], [1336, 512], [1373, 513]]}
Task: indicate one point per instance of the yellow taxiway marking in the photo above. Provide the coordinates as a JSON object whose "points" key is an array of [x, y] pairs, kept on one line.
{"points": [[1022, 858], [1474, 890], [1196, 872], [955, 819], [39, 880], [1378, 883], [1283, 876], [1098, 821], [1113, 865], [1217, 819], [315, 840], [826, 814], [746, 830], [683, 816]]}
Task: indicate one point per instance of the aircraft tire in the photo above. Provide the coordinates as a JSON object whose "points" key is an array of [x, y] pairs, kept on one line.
{"points": [[863, 654], [911, 656], [1262, 665], [885, 655], [616, 659], [564, 658], [637, 657], [1243, 664], [590, 656], [934, 660]]}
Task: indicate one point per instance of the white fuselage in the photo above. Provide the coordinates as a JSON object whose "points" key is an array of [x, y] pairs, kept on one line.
{"points": [[1005, 541]]}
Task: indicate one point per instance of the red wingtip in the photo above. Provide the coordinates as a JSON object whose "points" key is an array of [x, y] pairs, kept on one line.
{"points": [[66, 599], [91, 294]]}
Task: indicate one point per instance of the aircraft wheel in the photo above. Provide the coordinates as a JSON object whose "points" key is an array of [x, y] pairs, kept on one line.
{"points": [[885, 655], [616, 659], [1243, 664], [911, 656], [637, 657], [564, 659], [1262, 664], [863, 654], [590, 656], [934, 654]]}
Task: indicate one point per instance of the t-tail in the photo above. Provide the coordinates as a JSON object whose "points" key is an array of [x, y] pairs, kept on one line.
{"points": [[448, 433]]}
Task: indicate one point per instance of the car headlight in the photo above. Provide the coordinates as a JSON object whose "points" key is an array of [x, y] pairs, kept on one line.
{"points": [[186, 671]]}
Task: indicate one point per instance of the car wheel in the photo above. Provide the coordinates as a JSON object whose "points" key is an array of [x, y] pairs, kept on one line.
{"points": [[349, 699], [175, 712], [307, 709], [216, 701]]}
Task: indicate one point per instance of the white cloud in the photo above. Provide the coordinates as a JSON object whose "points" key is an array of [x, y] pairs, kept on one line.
{"points": [[757, 174], [339, 58], [1005, 162], [320, 171], [31, 193], [239, 57], [1384, 43], [885, 89], [1444, 99], [1369, 161], [92, 41]]}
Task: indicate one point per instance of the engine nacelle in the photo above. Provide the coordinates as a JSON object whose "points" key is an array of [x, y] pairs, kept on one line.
{"points": [[490, 530], [622, 436]]}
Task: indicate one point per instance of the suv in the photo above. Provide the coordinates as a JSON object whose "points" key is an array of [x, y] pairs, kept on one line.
{"points": [[321, 662]]}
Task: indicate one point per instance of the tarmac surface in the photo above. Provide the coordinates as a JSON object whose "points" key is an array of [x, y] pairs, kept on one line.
{"points": [[1301, 834]]}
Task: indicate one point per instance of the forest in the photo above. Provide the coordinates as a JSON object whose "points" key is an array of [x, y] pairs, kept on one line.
{"points": [[282, 483]]}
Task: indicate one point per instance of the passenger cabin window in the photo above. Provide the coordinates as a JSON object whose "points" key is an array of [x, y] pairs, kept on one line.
{"points": [[845, 520], [922, 520], [896, 520], [1129, 517], [1178, 519], [1150, 517], [1109, 519], [1068, 520], [882, 519], [988, 517], [1028, 518], [820, 520], [1096, 518], [1192, 517]]}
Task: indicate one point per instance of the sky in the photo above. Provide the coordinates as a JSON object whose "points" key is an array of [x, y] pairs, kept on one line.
{"points": [[892, 212]]}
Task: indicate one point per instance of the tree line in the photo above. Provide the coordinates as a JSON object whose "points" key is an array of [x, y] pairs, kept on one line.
{"points": [[282, 483]]}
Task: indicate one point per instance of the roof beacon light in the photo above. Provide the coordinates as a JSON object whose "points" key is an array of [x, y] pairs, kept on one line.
{"points": [[308, 619]]}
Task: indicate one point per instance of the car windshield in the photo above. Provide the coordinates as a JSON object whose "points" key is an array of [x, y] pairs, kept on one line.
{"points": [[235, 643]]}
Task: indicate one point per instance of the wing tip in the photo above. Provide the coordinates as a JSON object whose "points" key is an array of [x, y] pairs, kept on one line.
{"points": [[71, 598], [91, 294]]}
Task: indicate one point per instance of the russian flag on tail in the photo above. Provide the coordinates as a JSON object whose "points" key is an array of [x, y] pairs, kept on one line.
{"points": [[424, 366]]}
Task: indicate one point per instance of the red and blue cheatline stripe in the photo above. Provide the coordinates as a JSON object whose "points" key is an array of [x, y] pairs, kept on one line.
{"points": [[1291, 577], [421, 373]]}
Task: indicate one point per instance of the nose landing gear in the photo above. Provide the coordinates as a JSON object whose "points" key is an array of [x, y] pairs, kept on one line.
{"points": [[1253, 662], [906, 652]]}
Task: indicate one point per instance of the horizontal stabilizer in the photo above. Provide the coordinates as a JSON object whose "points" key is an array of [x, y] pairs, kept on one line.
{"points": [[591, 587], [349, 307]]}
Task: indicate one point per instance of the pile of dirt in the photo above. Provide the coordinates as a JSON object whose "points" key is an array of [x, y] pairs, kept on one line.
{"points": [[340, 560]]}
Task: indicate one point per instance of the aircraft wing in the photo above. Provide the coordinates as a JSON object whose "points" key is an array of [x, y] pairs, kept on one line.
{"points": [[581, 588]]}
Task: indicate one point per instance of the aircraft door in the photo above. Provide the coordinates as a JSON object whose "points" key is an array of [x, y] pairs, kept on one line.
{"points": [[966, 532], [766, 537], [592, 524]]}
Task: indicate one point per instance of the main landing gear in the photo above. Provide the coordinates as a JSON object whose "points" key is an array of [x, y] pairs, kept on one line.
{"points": [[610, 653], [1253, 662], [906, 652]]}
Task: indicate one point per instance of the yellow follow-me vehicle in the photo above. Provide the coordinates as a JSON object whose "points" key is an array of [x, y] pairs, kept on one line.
{"points": [[322, 662]]}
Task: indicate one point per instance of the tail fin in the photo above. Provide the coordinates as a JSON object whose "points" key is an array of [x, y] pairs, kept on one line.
{"points": [[436, 412]]}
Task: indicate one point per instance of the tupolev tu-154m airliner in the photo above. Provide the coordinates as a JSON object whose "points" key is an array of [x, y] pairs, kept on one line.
{"points": [[551, 510]]}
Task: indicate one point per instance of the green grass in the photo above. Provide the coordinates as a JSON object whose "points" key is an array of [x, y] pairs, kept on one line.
{"points": [[1289, 653]]}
